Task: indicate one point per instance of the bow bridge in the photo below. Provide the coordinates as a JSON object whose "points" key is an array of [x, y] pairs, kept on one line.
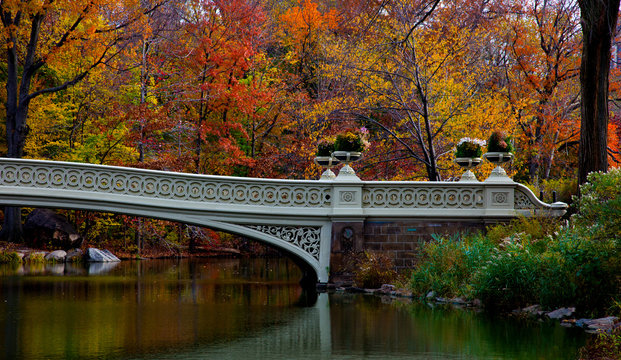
{"points": [[317, 222]]}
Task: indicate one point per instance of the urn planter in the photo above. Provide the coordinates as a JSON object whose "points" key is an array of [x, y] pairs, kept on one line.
{"points": [[468, 163], [498, 158], [327, 162], [347, 157]]}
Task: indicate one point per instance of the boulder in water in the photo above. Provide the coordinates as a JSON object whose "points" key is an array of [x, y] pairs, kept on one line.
{"points": [[74, 255], [96, 255], [561, 313], [57, 256]]}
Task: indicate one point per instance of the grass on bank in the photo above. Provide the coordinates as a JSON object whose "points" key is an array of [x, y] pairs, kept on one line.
{"points": [[543, 261]]}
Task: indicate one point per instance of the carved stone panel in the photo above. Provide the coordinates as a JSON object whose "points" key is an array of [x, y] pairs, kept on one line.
{"points": [[500, 197]]}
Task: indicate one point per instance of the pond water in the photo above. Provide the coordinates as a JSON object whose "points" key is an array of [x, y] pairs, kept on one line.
{"points": [[239, 309]]}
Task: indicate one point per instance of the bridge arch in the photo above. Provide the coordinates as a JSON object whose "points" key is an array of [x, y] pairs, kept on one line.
{"points": [[301, 242]]}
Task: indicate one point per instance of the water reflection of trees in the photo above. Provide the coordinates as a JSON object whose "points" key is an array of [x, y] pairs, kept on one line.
{"points": [[358, 321], [237, 307], [146, 305]]}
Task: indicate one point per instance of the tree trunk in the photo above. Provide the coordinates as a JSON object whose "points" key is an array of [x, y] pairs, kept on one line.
{"points": [[16, 113], [12, 227], [598, 19]]}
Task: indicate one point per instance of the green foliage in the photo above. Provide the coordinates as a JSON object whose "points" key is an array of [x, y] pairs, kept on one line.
{"points": [[592, 268], [528, 261], [603, 346], [535, 230], [10, 258], [599, 206], [350, 141], [325, 147], [509, 279], [566, 189], [36, 258], [499, 141], [447, 264], [374, 270], [469, 148]]}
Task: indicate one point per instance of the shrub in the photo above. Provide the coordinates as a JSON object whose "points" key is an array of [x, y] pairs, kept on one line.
{"points": [[535, 260], [603, 346], [447, 265], [325, 147], [593, 269], [10, 258], [536, 231], [374, 270], [508, 279], [499, 141], [469, 148], [599, 206], [441, 269], [354, 140], [566, 189]]}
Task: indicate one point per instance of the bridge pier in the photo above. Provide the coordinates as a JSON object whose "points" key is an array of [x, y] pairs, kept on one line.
{"points": [[347, 242], [399, 239]]}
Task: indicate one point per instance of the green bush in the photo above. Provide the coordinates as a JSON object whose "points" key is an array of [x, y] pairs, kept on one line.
{"points": [[535, 260], [499, 141], [530, 267], [599, 206], [593, 268], [469, 148], [603, 346], [566, 189], [531, 229], [447, 265], [10, 258], [325, 147], [509, 279], [353, 140], [374, 270], [36, 258]]}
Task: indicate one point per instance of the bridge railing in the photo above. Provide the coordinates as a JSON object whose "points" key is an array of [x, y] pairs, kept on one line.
{"points": [[282, 197]]}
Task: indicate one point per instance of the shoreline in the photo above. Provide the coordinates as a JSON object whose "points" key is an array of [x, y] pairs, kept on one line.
{"points": [[563, 316]]}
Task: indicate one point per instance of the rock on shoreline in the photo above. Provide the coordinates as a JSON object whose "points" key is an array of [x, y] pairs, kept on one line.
{"points": [[60, 256]]}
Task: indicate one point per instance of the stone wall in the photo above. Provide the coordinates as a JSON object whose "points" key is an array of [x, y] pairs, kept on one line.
{"points": [[402, 239], [399, 239]]}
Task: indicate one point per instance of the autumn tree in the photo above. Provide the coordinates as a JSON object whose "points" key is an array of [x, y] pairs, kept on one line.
{"points": [[41, 34], [304, 27], [413, 79], [541, 86]]}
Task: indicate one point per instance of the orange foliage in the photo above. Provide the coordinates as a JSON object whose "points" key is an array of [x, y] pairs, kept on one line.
{"points": [[614, 142]]}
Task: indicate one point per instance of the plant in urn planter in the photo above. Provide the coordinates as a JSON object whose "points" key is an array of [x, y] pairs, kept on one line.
{"points": [[324, 158], [499, 151], [468, 155], [348, 147]]}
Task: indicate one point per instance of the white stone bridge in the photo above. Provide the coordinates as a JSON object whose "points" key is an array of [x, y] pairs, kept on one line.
{"points": [[310, 220]]}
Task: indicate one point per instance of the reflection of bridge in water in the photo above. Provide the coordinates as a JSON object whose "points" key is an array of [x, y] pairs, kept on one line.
{"points": [[312, 221], [307, 334]]}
